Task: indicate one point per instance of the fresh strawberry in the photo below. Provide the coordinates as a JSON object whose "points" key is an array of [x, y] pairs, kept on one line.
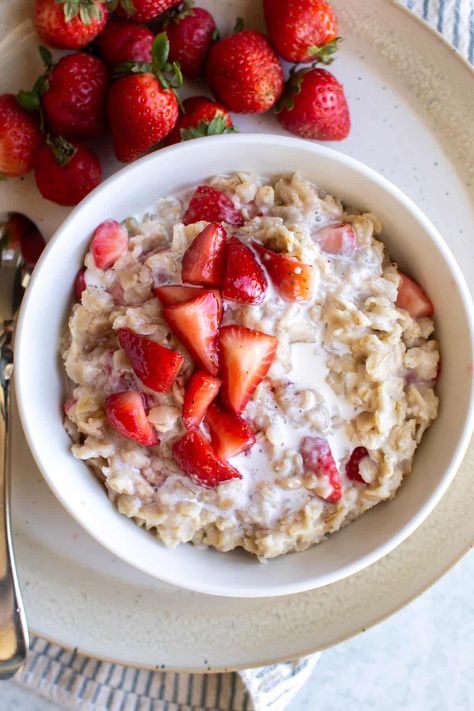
{"points": [[20, 138], [143, 10], [201, 117], [210, 204], [413, 298], [245, 359], [75, 101], [292, 279], [244, 73], [191, 32], [302, 30], [200, 392], [66, 172], [314, 106], [244, 279], [230, 434], [205, 258], [352, 466], [143, 107], [195, 456], [110, 241], [20, 232], [196, 324], [337, 239], [156, 366], [80, 284], [124, 42], [177, 294], [69, 24], [318, 458], [126, 415]]}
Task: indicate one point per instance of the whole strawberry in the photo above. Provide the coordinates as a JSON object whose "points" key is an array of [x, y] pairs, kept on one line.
{"points": [[75, 99], [244, 72], [143, 108], [191, 32], [302, 30], [65, 172], [314, 106], [20, 138], [124, 42], [201, 117], [143, 10], [69, 24]]}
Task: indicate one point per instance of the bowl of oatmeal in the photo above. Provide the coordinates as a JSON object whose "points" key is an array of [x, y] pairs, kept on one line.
{"points": [[237, 361]]}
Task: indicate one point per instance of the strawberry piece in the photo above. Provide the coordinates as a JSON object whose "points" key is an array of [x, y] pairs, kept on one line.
{"points": [[124, 42], [201, 117], [200, 392], [211, 205], [314, 106], [244, 278], [292, 279], [197, 459], [196, 324], [156, 366], [80, 284], [68, 405], [352, 466], [204, 259], [69, 24], [245, 356], [126, 414], [191, 34], [337, 239], [109, 242], [144, 10], [413, 298], [20, 138], [244, 73], [177, 294], [230, 434], [317, 458]]}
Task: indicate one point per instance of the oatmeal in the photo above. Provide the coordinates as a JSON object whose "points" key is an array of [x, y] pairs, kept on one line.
{"points": [[248, 368]]}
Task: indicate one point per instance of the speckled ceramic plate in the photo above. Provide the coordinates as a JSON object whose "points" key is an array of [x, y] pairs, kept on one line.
{"points": [[411, 97]]}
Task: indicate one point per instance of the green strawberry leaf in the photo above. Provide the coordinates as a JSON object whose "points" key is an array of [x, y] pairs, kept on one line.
{"points": [[239, 25], [28, 100], [160, 50], [46, 56], [124, 68], [292, 88], [127, 5], [215, 127], [63, 151], [324, 54], [216, 35]]}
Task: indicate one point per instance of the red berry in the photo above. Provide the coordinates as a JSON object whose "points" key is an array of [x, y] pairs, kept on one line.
{"points": [[204, 260], [66, 172], [80, 284], [314, 106], [144, 10], [244, 72], [244, 280], [191, 34], [292, 279], [201, 117], [126, 414], [171, 294], [195, 456], [318, 458], [352, 466], [413, 298], [110, 241], [201, 390], [337, 239], [69, 24], [75, 103], [124, 42], [20, 138], [211, 205], [156, 366], [230, 434]]}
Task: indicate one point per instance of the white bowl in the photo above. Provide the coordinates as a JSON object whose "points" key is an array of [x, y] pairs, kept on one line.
{"points": [[412, 241]]}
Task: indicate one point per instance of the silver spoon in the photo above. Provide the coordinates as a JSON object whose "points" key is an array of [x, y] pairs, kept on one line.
{"points": [[14, 639]]}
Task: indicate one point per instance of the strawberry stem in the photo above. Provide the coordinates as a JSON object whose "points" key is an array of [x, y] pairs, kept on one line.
{"points": [[63, 151], [169, 75], [239, 25], [324, 54]]}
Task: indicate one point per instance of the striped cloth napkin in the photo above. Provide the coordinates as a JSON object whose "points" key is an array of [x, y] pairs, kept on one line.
{"points": [[80, 683]]}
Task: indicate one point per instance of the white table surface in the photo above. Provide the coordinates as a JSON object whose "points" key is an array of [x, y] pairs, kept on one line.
{"points": [[420, 659]]}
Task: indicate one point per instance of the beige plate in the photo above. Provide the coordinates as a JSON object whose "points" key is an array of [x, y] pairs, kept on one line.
{"points": [[411, 97]]}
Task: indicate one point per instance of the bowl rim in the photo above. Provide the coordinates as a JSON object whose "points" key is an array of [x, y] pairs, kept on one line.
{"points": [[312, 581]]}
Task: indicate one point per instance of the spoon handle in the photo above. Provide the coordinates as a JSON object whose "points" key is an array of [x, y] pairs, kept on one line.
{"points": [[13, 628]]}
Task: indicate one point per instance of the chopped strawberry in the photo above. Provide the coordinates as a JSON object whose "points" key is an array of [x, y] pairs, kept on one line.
{"points": [[68, 405], [245, 356], [244, 278], [204, 259], [80, 284], [337, 239], [200, 392], [317, 458], [156, 366], [413, 298], [230, 434], [196, 324], [109, 242], [352, 466], [126, 415], [197, 459], [292, 279], [176, 294], [210, 204]]}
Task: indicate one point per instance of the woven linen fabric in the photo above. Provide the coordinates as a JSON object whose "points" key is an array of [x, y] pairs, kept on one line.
{"points": [[79, 683]]}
